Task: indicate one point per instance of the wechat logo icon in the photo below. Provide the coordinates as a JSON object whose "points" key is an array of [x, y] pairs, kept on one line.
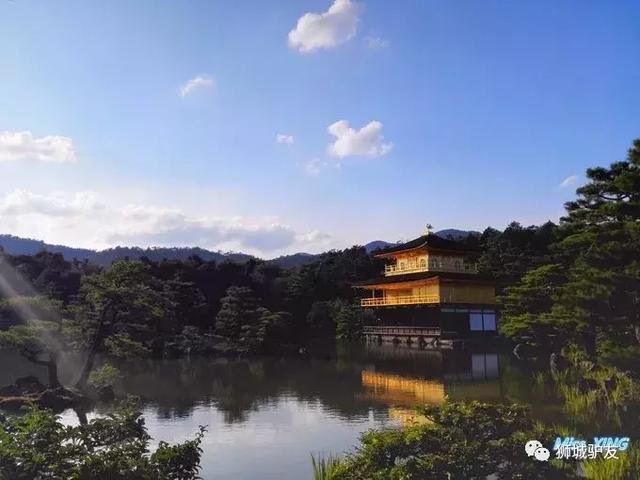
{"points": [[535, 449]]}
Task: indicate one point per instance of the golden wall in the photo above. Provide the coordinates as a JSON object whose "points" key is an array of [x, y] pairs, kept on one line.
{"points": [[447, 292], [466, 293], [433, 261], [433, 289], [422, 290], [412, 260]]}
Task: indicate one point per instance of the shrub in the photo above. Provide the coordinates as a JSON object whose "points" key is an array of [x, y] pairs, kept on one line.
{"points": [[38, 445], [469, 440]]}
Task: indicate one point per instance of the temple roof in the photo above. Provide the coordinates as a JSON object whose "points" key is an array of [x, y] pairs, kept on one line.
{"points": [[425, 241], [412, 277]]}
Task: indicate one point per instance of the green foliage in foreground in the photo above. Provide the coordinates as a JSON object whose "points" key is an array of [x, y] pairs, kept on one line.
{"points": [[38, 445], [324, 467], [627, 467], [595, 398], [467, 440]]}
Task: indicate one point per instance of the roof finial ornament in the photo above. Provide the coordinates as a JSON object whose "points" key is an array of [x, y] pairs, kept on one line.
{"points": [[428, 230]]}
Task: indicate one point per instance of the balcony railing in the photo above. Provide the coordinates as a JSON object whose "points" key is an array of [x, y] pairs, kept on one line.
{"points": [[430, 267], [425, 300], [402, 331], [399, 300]]}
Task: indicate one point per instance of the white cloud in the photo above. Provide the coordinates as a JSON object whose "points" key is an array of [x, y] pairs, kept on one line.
{"points": [[197, 82], [314, 237], [314, 167], [83, 217], [24, 146], [284, 138], [376, 43], [368, 141], [22, 202], [570, 181], [326, 30], [150, 225]]}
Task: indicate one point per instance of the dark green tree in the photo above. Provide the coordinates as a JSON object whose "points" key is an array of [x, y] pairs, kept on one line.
{"points": [[321, 320], [250, 327], [238, 308], [529, 310], [349, 320], [38, 341], [123, 303], [507, 255], [266, 331]]}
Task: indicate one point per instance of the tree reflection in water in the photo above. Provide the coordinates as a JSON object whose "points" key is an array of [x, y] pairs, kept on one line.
{"points": [[349, 383]]}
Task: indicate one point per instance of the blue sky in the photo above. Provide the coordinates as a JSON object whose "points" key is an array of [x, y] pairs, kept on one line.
{"points": [[474, 114]]}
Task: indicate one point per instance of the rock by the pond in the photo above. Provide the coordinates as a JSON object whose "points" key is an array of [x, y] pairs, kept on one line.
{"points": [[30, 384], [60, 398], [29, 390], [23, 386]]}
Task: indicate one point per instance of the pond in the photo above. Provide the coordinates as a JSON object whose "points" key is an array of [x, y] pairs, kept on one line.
{"points": [[265, 416]]}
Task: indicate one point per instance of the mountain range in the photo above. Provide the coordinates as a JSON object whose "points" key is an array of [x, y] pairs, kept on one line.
{"points": [[26, 246]]}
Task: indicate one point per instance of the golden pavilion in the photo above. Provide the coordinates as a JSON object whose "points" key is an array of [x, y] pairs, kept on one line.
{"points": [[430, 289]]}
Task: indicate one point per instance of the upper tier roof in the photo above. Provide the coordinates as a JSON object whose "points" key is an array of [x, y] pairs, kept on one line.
{"points": [[430, 241]]}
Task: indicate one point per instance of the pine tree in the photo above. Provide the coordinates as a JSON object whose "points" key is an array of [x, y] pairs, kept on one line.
{"points": [[592, 289]]}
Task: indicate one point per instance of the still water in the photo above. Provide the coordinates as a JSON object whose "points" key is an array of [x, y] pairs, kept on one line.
{"points": [[266, 416]]}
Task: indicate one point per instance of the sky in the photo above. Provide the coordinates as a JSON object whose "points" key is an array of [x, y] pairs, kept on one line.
{"points": [[285, 126]]}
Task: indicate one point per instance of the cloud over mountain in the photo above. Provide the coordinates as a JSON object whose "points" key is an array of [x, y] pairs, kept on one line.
{"points": [[84, 219]]}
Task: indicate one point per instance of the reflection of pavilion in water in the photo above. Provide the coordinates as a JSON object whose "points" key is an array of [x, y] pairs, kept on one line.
{"points": [[396, 390], [470, 376]]}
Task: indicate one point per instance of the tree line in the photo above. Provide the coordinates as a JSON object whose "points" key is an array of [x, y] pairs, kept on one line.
{"points": [[175, 308]]}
